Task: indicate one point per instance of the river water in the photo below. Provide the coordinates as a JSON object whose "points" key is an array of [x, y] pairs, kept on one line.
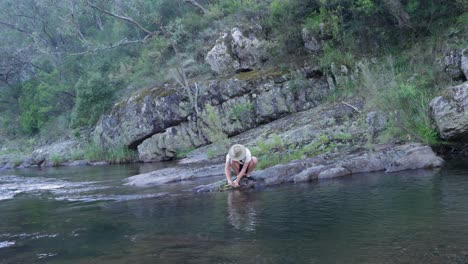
{"points": [[86, 215]]}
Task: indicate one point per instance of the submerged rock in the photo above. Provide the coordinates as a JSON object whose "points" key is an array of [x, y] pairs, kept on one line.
{"points": [[450, 113]]}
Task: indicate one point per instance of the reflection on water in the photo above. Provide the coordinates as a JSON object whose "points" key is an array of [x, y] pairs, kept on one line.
{"points": [[87, 216], [241, 210]]}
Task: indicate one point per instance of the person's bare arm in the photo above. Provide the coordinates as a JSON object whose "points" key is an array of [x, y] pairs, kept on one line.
{"points": [[227, 171], [241, 173]]}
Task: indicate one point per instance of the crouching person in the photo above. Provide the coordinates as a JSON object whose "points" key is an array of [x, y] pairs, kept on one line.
{"points": [[240, 160]]}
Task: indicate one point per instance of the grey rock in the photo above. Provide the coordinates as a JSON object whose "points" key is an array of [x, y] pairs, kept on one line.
{"points": [[169, 175], [142, 115], [75, 163], [376, 122], [272, 101], [464, 62], [246, 49], [60, 150], [413, 157], [363, 163], [98, 163], [451, 62], [309, 174], [333, 172], [450, 113], [310, 42], [220, 57], [234, 52], [391, 159]]}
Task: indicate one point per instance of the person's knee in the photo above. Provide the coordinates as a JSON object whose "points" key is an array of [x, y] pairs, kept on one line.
{"points": [[254, 160]]}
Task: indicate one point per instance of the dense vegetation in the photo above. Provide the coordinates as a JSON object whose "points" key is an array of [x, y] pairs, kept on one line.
{"points": [[63, 63]]}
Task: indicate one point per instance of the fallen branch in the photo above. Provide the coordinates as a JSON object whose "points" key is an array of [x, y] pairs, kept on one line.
{"points": [[352, 106]]}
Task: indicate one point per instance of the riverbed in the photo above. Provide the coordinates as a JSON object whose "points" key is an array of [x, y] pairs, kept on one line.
{"points": [[87, 215]]}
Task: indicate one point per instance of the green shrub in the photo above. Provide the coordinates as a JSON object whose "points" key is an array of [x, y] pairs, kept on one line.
{"points": [[333, 55], [214, 128], [77, 154], [57, 160], [94, 97], [211, 153], [240, 111], [41, 100], [183, 153], [17, 161], [118, 153], [412, 114]]}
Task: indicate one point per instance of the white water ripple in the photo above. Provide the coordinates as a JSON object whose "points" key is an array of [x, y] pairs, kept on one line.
{"points": [[4, 244], [12, 185]]}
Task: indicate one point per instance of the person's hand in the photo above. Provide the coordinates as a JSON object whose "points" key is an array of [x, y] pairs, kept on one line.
{"points": [[236, 183], [230, 183]]}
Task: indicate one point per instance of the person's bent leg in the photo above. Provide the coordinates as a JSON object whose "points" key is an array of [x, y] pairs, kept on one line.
{"points": [[252, 165], [235, 167]]}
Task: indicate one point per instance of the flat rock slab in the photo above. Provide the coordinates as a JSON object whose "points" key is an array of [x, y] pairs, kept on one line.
{"points": [[326, 166], [180, 173]]}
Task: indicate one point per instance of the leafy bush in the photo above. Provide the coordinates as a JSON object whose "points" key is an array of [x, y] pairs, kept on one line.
{"points": [[239, 111], [412, 114], [388, 86], [183, 153], [214, 128], [40, 101], [94, 97], [332, 55], [56, 160], [118, 153]]}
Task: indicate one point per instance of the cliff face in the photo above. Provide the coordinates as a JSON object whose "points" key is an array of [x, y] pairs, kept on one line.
{"points": [[160, 124]]}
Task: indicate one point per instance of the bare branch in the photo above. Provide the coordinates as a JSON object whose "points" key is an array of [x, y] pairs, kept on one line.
{"points": [[11, 26], [75, 23], [196, 4], [125, 18], [112, 46]]}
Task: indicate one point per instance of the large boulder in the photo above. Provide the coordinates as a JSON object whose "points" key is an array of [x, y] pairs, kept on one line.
{"points": [[132, 121], [450, 113], [220, 57], [234, 52]]}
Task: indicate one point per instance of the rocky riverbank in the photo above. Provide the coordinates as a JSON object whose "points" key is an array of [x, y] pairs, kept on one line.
{"points": [[256, 106], [352, 160]]}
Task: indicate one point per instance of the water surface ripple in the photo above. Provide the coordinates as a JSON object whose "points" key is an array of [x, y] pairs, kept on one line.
{"points": [[85, 215]]}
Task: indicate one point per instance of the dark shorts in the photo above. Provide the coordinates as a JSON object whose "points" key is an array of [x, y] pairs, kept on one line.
{"points": [[241, 165]]}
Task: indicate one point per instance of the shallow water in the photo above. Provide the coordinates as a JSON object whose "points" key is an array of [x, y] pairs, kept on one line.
{"points": [[86, 215]]}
